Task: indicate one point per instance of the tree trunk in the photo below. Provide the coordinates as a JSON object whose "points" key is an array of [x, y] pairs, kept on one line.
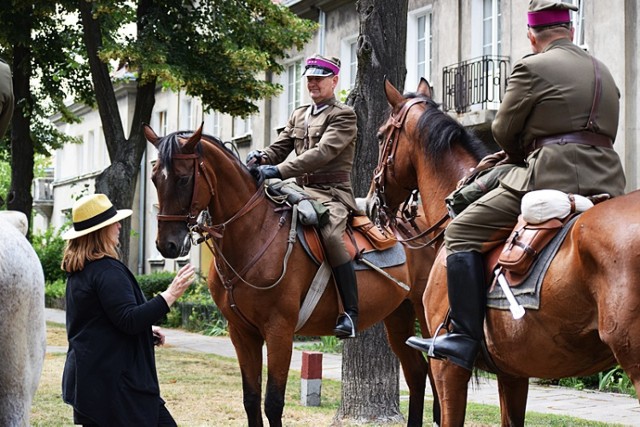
{"points": [[22, 146], [119, 180], [370, 391]]}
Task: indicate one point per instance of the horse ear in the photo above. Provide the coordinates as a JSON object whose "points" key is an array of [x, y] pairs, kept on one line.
{"points": [[150, 134], [424, 88], [393, 95], [193, 139]]}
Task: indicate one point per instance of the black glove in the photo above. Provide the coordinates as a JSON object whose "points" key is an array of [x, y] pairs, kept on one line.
{"points": [[254, 156], [261, 173]]}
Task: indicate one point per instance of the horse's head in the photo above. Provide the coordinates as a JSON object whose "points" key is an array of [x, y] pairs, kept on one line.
{"points": [[421, 147], [395, 176], [183, 189]]}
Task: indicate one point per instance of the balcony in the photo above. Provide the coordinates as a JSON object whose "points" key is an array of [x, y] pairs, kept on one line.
{"points": [[475, 85], [43, 196]]}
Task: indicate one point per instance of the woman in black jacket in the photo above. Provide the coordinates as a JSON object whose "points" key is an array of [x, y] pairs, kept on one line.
{"points": [[110, 374]]}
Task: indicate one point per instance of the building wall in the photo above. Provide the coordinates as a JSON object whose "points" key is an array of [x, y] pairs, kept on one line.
{"points": [[611, 34]]}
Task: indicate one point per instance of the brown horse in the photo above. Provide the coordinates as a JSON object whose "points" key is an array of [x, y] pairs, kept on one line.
{"points": [[588, 318], [261, 275]]}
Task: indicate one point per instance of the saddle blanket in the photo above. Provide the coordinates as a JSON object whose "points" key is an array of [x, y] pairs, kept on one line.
{"points": [[528, 293], [383, 259], [393, 256]]}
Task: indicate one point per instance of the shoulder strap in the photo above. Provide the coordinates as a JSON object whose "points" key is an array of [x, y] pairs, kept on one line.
{"points": [[306, 126], [591, 122]]}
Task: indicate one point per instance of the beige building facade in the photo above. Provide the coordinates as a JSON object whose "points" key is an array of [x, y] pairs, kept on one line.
{"points": [[465, 49]]}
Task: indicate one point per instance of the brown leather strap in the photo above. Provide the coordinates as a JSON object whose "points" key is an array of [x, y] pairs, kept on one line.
{"points": [[323, 178], [580, 137], [591, 122]]}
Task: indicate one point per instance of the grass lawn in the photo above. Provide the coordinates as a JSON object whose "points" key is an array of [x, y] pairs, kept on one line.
{"points": [[206, 390]]}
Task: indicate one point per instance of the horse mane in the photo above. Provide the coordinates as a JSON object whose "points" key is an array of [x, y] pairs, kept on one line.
{"points": [[438, 132], [169, 145]]}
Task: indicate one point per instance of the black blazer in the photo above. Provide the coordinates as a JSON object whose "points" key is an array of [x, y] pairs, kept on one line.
{"points": [[110, 372]]}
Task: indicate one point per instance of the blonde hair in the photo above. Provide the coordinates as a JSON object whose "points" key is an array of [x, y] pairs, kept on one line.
{"points": [[86, 248]]}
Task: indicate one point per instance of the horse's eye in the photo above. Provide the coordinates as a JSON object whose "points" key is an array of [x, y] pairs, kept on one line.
{"points": [[183, 180], [379, 136]]}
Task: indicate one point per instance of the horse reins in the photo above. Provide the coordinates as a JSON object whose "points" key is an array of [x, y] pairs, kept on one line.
{"points": [[197, 222]]}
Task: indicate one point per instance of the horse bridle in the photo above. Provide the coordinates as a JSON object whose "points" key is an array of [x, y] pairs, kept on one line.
{"points": [[191, 218], [386, 165], [198, 219]]}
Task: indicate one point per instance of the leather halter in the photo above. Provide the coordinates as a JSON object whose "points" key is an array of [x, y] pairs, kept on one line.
{"points": [[198, 172], [194, 225], [385, 166], [386, 160]]}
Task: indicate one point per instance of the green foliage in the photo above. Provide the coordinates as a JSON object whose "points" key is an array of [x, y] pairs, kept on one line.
{"points": [[194, 311], [52, 43], [154, 283], [5, 180], [327, 344], [55, 289], [616, 380], [49, 247], [218, 51]]}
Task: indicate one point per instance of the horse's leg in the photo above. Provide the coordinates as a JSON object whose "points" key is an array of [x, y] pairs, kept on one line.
{"points": [[513, 399], [400, 325], [451, 382], [619, 323], [248, 347], [279, 348]]}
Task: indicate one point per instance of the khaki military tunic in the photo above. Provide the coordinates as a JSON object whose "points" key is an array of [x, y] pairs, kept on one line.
{"points": [[325, 145], [549, 93]]}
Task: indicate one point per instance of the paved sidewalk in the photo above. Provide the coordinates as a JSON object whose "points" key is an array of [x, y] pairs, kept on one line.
{"points": [[588, 405]]}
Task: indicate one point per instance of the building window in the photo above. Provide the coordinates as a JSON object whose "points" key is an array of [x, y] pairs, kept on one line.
{"points": [[491, 28], [91, 147], [419, 47], [213, 125], [162, 126], [241, 126], [577, 17], [186, 114], [353, 64], [424, 38], [294, 86], [348, 64]]}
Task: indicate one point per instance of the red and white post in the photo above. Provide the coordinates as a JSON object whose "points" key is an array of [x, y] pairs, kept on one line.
{"points": [[311, 378]]}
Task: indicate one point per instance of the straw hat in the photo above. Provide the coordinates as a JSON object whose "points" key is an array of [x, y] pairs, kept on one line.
{"points": [[91, 213]]}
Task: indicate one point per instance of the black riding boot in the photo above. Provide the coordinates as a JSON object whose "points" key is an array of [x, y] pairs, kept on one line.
{"points": [[467, 293], [345, 277]]}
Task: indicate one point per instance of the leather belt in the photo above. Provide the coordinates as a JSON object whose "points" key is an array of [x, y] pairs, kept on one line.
{"points": [[323, 178], [580, 137]]}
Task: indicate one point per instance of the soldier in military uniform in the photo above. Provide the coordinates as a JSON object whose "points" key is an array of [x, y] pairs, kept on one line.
{"points": [[323, 136], [557, 121]]}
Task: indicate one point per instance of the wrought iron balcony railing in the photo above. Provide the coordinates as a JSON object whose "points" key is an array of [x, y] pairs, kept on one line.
{"points": [[478, 81]]}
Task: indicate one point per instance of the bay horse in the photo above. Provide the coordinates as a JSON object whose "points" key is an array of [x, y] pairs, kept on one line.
{"points": [[259, 280], [589, 309], [22, 324]]}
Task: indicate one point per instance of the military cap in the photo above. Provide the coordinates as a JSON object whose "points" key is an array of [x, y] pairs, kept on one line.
{"points": [[543, 13], [320, 66]]}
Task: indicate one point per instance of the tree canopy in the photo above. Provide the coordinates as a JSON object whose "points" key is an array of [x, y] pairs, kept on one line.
{"points": [[221, 51]]}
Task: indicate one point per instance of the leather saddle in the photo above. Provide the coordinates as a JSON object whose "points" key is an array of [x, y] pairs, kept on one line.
{"points": [[361, 236]]}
